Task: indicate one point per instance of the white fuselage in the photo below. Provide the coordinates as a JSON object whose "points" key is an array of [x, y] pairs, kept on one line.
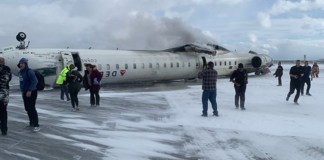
{"points": [[119, 66]]}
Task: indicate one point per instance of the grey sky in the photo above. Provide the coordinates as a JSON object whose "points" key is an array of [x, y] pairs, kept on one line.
{"points": [[283, 29]]}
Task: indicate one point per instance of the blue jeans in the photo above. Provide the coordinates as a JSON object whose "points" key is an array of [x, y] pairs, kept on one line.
{"points": [[211, 96]]}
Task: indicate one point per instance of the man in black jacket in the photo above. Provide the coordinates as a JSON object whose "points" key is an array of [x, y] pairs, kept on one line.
{"points": [[240, 78], [296, 74], [5, 77], [279, 73]]}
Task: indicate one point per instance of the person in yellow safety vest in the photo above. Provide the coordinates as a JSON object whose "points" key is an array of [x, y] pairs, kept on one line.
{"points": [[61, 81]]}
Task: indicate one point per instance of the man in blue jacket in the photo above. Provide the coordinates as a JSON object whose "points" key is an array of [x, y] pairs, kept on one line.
{"points": [[306, 79], [28, 82]]}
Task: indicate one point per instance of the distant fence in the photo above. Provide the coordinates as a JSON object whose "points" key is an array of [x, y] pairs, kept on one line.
{"points": [[302, 61]]}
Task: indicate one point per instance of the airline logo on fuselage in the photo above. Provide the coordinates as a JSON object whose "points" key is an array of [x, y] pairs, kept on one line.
{"points": [[107, 74]]}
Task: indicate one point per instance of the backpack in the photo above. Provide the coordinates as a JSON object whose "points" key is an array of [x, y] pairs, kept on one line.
{"points": [[41, 82]]}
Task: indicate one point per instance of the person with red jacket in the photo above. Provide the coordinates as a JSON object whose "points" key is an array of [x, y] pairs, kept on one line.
{"points": [[93, 77]]}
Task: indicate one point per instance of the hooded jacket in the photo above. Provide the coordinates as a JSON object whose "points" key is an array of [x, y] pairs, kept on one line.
{"points": [[27, 77]]}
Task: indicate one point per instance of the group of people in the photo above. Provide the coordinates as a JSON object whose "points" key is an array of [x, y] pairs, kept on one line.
{"points": [[299, 76], [209, 78], [70, 81]]}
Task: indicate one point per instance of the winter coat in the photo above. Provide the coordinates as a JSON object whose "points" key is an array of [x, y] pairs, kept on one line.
{"points": [[74, 80], [239, 77], [5, 78], [279, 71], [95, 78], [27, 79], [62, 77]]}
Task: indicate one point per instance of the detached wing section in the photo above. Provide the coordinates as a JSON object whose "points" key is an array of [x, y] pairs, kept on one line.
{"points": [[210, 49]]}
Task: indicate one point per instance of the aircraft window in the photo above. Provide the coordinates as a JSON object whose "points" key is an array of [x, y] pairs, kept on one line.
{"points": [[188, 64], [220, 63], [225, 63], [150, 65], [108, 67], [143, 66], [230, 63], [171, 65], [215, 63], [117, 66], [126, 66], [99, 67], [197, 65], [157, 65], [178, 65], [235, 63], [164, 65], [134, 65]]}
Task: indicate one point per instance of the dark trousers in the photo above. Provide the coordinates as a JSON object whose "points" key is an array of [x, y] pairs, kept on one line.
{"points": [[74, 98], [93, 100], [3, 117], [29, 103], [279, 80], [240, 95], [308, 82], [211, 96], [64, 90], [294, 85]]}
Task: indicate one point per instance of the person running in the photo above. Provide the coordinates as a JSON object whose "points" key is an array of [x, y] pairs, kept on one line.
{"points": [[306, 79], [209, 76], [28, 82], [296, 73], [240, 79], [5, 78], [278, 73]]}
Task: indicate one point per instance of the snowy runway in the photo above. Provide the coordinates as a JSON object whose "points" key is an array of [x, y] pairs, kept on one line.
{"points": [[162, 121]]}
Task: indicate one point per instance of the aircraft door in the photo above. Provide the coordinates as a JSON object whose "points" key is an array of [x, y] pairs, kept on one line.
{"points": [[67, 58], [204, 62]]}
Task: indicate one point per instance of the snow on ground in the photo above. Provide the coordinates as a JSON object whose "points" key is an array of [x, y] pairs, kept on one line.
{"points": [[163, 122]]}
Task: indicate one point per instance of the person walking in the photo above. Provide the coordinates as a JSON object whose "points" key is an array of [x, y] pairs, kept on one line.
{"points": [[278, 73], [296, 73], [61, 81], [28, 82], [209, 79], [306, 79], [315, 70], [240, 79], [74, 84], [5, 78]]}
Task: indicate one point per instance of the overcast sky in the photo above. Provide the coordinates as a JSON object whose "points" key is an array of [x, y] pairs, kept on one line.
{"points": [[284, 29]]}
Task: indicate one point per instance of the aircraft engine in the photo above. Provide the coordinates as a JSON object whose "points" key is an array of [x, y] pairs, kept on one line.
{"points": [[261, 63], [21, 36], [256, 62]]}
